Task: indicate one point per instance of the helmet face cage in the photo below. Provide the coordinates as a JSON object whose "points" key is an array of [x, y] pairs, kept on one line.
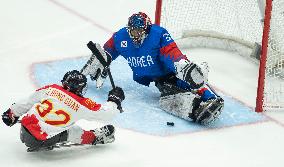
{"points": [[75, 82], [138, 27]]}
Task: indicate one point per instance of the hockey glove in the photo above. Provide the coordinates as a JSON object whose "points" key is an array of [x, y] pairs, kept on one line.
{"points": [[9, 118], [116, 95]]}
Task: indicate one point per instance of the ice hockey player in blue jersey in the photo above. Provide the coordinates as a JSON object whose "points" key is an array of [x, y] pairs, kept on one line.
{"points": [[154, 56]]}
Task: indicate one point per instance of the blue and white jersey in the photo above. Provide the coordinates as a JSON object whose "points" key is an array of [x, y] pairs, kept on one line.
{"points": [[154, 58]]}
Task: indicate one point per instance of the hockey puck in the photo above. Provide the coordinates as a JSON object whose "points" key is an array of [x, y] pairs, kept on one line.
{"points": [[170, 123]]}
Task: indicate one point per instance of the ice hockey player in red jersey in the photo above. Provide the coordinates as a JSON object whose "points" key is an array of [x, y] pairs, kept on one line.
{"points": [[153, 56], [49, 115]]}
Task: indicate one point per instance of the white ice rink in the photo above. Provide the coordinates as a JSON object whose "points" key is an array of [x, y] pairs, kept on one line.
{"points": [[33, 31]]}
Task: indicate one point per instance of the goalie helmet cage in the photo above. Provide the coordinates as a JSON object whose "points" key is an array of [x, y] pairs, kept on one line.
{"points": [[252, 28]]}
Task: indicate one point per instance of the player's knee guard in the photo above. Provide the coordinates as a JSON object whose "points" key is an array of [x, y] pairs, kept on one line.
{"points": [[208, 111], [195, 75]]}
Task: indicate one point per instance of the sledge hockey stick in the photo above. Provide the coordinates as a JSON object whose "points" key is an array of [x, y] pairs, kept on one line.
{"points": [[99, 53]]}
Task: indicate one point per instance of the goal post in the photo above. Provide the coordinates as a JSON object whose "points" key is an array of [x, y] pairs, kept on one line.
{"points": [[252, 28], [262, 65]]}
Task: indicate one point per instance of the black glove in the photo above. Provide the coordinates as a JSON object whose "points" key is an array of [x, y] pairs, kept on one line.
{"points": [[103, 74], [9, 118], [116, 95]]}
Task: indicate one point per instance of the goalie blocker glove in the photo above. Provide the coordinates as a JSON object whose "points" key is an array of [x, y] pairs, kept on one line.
{"points": [[116, 95], [98, 64], [9, 118], [195, 75]]}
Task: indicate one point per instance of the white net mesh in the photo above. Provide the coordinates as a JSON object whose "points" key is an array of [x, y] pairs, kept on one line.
{"points": [[274, 78], [223, 16], [233, 25]]}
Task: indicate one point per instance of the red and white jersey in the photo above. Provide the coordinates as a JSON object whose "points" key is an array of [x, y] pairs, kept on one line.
{"points": [[52, 110]]}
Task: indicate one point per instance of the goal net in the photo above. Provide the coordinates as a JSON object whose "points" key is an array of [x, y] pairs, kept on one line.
{"points": [[238, 26]]}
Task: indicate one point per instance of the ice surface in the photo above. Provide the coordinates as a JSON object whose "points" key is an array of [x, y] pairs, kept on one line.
{"points": [[142, 112], [37, 32]]}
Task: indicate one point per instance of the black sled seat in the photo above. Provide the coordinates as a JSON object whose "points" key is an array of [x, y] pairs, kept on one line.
{"points": [[33, 144]]}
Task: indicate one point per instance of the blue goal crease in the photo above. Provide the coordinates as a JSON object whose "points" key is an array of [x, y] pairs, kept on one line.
{"points": [[142, 112]]}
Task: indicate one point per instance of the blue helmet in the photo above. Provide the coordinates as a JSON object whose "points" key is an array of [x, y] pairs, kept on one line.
{"points": [[138, 27]]}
